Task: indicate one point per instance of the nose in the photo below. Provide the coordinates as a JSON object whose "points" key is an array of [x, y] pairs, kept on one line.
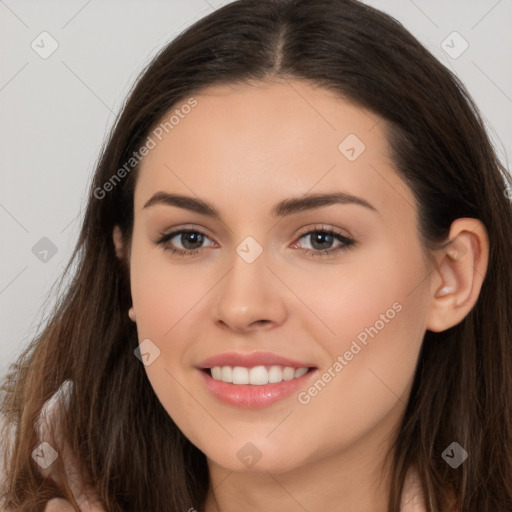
{"points": [[250, 297]]}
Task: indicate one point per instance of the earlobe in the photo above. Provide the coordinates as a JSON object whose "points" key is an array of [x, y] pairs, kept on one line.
{"points": [[460, 270], [118, 242]]}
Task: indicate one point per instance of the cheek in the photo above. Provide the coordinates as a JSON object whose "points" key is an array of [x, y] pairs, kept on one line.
{"points": [[162, 292], [349, 299], [377, 313], [164, 297], [369, 374], [168, 299]]}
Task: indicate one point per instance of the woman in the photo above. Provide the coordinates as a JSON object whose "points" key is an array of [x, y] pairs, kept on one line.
{"points": [[207, 359]]}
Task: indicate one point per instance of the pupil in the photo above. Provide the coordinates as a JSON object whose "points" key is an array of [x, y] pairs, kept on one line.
{"points": [[192, 238], [326, 238]]}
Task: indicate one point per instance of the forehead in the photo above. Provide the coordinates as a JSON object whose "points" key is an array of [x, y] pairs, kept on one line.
{"points": [[259, 143]]}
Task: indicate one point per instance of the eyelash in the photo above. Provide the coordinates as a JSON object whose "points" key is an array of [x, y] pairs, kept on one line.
{"points": [[347, 243]]}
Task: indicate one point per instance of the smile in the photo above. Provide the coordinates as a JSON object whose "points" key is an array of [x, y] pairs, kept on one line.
{"points": [[257, 387], [258, 375]]}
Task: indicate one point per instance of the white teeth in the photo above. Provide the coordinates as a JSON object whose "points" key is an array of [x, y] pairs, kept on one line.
{"points": [[257, 375], [227, 374], [289, 373], [240, 374], [300, 372], [275, 374], [217, 373]]}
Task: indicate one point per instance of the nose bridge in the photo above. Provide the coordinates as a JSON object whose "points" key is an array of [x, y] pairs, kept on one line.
{"points": [[248, 294], [247, 277]]}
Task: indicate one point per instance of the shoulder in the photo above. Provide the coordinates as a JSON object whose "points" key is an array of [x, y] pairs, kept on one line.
{"points": [[54, 407], [47, 425], [48, 428], [413, 499]]}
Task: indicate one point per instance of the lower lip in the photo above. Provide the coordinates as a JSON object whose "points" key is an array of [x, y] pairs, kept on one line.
{"points": [[250, 396]]}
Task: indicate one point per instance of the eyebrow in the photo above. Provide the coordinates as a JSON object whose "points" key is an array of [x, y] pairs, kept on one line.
{"points": [[283, 208]]}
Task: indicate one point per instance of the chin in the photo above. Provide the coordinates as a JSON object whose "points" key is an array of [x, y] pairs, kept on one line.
{"points": [[250, 460]]}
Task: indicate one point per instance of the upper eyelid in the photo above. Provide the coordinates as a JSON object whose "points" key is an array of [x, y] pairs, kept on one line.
{"points": [[303, 232], [319, 227]]}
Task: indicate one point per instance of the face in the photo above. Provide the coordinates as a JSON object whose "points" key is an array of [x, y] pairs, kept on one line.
{"points": [[340, 287]]}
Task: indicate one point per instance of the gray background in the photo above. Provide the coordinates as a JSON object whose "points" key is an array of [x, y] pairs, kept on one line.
{"points": [[55, 113]]}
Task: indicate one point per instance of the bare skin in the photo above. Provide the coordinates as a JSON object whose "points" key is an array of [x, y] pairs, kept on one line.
{"points": [[243, 149]]}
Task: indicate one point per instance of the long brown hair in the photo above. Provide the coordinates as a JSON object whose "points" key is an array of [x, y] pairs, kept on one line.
{"points": [[128, 447]]}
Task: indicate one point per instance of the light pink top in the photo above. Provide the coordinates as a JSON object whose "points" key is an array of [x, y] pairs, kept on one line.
{"points": [[412, 497]]}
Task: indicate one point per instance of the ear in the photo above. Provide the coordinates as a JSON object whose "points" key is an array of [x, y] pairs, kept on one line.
{"points": [[460, 272], [117, 235]]}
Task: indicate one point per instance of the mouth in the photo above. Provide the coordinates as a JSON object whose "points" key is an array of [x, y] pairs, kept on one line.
{"points": [[256, 387], [260, 375]]}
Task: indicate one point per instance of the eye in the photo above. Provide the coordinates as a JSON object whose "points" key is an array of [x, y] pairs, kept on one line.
{"points": [[190, 239], [321, 239], [192, 242]]}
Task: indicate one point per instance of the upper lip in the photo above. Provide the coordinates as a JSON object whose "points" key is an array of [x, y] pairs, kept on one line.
{"points": [[250, 360]]}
